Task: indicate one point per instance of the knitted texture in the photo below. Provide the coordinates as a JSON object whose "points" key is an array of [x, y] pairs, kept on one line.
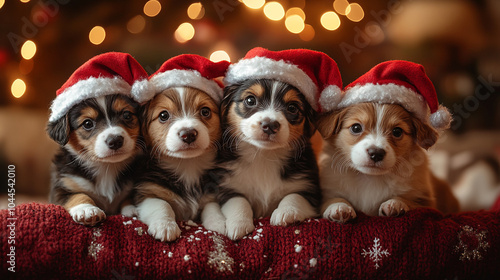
{"points": [[419, 245]]}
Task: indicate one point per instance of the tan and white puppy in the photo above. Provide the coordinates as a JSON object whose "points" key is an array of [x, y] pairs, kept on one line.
{"points": [[374, 161]]}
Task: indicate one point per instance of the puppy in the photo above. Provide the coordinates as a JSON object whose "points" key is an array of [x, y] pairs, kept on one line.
{"points": [[374, 161], [182, 132], [99, 138], [269, 168]]}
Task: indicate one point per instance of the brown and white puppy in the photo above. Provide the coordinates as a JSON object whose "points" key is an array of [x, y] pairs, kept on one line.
{"points": [[268, 166], [92, 173], [374, 161], [181, 130]]}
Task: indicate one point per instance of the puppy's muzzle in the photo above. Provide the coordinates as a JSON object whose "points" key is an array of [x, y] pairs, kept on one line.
{"points": [[376, 154], [114, 142], [269, 126], [188, 135]]}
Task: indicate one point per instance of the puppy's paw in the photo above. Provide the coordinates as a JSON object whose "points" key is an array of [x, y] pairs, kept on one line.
{"points": [[164, 230], [129, 211], [236, 229], [87, 214], [287, 215], [217, 225], [339, 212], [392, 208]]}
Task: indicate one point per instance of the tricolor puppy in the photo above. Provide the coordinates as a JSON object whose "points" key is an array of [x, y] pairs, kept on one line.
{"points": [[182, 133], [374, 158], [99, 134]]}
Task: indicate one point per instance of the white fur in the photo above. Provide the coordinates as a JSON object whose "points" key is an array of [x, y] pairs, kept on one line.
{"points": [[239, 218], [129, 211], [361, 159], [87, 214], [177, 148], [105, 154], [292, 208], [251, 128], [393, 207], [160, 218], [213, 219], [339, 212]]}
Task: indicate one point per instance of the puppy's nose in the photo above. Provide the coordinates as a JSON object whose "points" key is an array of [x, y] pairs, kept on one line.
{"points": [[376, 154], [188, 135], [270, 127], [114, 142]]}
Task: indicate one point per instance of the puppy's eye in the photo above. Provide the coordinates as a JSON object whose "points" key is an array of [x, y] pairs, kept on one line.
{"points": [[356, 129], [164, 116], [397, 132], [88, 124], [292, 108], [205, 112], [127, 115], [251, 101]]}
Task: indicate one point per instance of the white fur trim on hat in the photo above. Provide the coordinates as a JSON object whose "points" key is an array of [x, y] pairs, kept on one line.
{"points": [[266, 68], [186, 78], [84, 89], [330, 97], [387, 94], [441, 119], [142, 90]]}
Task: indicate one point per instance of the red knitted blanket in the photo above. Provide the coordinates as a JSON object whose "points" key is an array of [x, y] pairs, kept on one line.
{"points": [[420, 245]]}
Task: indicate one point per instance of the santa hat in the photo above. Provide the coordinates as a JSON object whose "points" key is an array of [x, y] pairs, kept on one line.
{"points": [[313, 73], [189, 70], [105, 74], [399, 82]]}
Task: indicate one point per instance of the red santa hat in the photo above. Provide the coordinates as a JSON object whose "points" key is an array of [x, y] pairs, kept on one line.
{"points": [[104, 74], [189, 70], [399, 82], [313, 73]]}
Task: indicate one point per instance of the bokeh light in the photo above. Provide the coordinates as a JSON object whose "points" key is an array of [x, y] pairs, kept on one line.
{"points": [[18, 88], [97, 35], [184, 32], [308, 33], [340, 6], [219, 56], [152, 8], [296, 11], [354, 12], [254, 4], [2, 2], [196, 11], [274, 11], [136, 24], [330, 21], [24, 1], [294, 24], [28, 50]]}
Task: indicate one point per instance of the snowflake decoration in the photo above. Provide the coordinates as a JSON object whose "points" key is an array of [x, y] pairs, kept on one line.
{"points": [[94, 247], [219, 258], [376, 253], [469, 236]]}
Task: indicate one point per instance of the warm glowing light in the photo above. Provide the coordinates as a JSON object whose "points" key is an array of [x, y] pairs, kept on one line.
{"points": [[24, 1], [296, 11], [184, 32], [18, 88], [308, 33], [330, 21], [97, 35], [274, 11], [219, 56], [1, 3], [254, 4], [294, 24], [28, 50], [196, 11], [340, 6], [136, 24], [152, 8], [354, 12]]}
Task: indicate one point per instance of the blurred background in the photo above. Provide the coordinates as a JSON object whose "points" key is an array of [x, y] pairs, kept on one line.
{"points": [[458, 42]]}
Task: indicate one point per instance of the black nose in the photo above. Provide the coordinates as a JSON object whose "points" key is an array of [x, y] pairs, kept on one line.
{"points": [[270, 127], [376, 154], [114, 142], [188, 135]]}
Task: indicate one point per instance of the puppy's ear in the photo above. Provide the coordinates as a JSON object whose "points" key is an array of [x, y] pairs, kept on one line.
{"points": [[59, 130], [330, 123], [424, 135], [228, 96], [144, 120]]}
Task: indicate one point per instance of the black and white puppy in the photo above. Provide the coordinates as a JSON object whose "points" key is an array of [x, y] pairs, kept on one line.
{"points": [[92, 173], [269, 168]]}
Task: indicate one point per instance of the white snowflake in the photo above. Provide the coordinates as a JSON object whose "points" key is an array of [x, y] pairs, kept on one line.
{"points": [[375, 253]]}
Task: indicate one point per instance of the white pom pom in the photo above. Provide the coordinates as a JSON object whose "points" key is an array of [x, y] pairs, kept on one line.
{"points": [[441, 119], [142, 91], [329, 98]]}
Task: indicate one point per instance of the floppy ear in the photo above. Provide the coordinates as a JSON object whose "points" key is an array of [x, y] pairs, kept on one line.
{"points": [[59, 130], [144, 120], [228, 96], [424, 135], [330, 123]]}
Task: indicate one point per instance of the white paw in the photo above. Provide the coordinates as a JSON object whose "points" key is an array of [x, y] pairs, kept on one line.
{"points": [[164, 230], [339, 212], [217, 225], [87, 214], [236, 229], [287, 215], [129, 211], [393, 207]]}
